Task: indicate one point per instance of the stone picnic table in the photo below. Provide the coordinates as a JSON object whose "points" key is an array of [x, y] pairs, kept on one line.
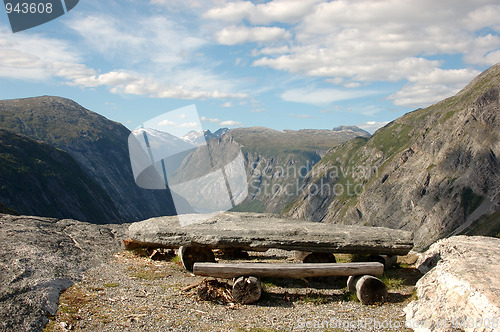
{"points": [[314, 242], [257, 231]]}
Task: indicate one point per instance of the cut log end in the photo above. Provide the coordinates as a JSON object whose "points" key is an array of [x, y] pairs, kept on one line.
{"points": [[368, 289], [246, 290], [191, 255]]}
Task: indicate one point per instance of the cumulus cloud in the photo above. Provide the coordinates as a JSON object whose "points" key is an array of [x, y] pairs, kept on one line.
{"points": [[35, 57], [156, 48], [287, 11], [371, 41], [230, 123], [166, 123], [241, 34], [429, 87]]}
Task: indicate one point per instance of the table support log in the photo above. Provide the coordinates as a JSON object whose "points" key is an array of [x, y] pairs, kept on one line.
{"points": [[193, 254], [368, 289]]}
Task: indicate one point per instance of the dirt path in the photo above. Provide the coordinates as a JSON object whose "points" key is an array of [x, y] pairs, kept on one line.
{"points": [[135, 293]]}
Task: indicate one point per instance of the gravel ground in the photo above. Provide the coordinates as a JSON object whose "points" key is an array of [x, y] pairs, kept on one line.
{"points": [[135, 293]]}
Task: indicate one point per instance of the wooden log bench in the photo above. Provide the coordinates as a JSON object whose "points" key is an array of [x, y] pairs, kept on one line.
{"points": [[247, 287], [259, 232]]}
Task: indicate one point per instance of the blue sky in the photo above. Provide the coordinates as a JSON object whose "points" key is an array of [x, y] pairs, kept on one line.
{"points": [[281, 64]]}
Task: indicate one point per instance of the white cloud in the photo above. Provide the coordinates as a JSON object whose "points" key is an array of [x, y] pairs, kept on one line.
{"points": [[388, 40], [239, 34], [429, 87], [166, 123], [258, 110], [322, 96], [35, 57], [156, 48], [287, 11], [230, 123], [188, 125], [372, 126], [204, 118]]}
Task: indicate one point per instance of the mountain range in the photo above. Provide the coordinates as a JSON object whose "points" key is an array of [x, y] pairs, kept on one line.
{"points": [[66, 139], [434, 171], [97, 145]]}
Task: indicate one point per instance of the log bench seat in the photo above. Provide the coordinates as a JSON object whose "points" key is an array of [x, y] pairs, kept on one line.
{"points": [[247, 287]]}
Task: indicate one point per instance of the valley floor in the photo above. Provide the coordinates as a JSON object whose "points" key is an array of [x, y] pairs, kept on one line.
{"points": [[134, 293]]}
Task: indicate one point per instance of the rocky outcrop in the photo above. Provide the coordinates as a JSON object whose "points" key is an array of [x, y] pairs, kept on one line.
{"points": [[430, 171], [461, 288], [262, 231], [40, 257]]}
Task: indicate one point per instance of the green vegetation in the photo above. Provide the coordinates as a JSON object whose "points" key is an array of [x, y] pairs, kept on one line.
{"points": [[111, 284], [392, 139], [392, 281], [7, 210], [314, 298], [176, 259], [349, 296]]}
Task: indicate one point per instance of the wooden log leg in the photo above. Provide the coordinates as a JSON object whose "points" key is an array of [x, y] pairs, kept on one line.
{"points": [[191, 255], [315, 257], [388, 260], [246, 290], [368, 289]]}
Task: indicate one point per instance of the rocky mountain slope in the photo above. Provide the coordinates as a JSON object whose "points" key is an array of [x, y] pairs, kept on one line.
{"points": [[97, 144], [432, 171], [276, 161], [34, 176]]}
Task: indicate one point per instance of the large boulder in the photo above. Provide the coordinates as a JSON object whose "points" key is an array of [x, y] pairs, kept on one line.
{"points": [[39, 258], [461, 287], [255, 231]]}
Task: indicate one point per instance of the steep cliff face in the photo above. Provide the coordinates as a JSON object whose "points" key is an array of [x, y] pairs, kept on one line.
{"points": [[433, 171], [97, 144], [276, 162], [38, 179]]}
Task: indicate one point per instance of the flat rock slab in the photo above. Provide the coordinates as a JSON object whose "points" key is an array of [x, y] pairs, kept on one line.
{"points": [[461, 289], [40, 257], [256, 231]]}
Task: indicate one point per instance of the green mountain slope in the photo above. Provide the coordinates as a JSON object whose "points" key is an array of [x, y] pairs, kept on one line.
{"points": [[97, 144], [434, 171], [38, 179]]}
